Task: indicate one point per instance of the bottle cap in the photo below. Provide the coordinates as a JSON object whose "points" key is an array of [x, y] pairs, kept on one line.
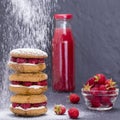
{"points": [[63, 16]]}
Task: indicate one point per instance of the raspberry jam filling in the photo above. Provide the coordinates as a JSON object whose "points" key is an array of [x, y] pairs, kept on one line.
{"points": [[28, 60], [27, 84], [28, 105]]}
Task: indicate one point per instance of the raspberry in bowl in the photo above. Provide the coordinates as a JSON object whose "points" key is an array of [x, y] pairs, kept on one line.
{"points": [[100, 93]]}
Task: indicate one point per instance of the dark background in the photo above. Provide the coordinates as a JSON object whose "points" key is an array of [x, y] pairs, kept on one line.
{"points": [[96, 29]]}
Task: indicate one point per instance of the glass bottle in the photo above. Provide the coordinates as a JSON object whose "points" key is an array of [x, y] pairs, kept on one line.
{"points": [[63, 78]]}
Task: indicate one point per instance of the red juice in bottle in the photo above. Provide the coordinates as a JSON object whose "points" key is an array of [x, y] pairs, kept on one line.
{"points": [[63, 55]]}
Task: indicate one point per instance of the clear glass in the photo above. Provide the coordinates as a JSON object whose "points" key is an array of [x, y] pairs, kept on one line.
{"points": [[63, 78], [100, 100]]}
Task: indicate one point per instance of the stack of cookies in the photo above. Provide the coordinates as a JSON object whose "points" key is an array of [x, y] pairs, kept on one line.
{"points": [[28, 82]]}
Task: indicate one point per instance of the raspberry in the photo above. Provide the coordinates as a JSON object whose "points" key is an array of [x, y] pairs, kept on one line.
{"points": [[112, 91], [43, 104], [27, 83], [15, 82], [36, 105], [100, 92], [33, 61], [21, 60], [13, 59], [95, 102], [110, 84], [59, 109], [91, 81], [94, 91], [73, 113], [100, 78], [39, 104], [15, 105], [41, 60], [102, 89], [35, 83], [110, 105], [25, 105], [74, 98], [105, 100], [42, 83]]}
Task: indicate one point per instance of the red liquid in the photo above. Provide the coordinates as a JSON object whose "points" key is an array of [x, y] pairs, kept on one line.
{"points": [[63, 60]]}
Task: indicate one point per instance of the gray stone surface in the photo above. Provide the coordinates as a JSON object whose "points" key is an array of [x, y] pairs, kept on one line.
{"points": [[96, 26], [62, 98], [96, 29]]}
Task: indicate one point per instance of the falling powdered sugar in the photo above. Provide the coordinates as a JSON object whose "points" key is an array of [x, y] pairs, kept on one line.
{"points": [[32, 20], [25, 24]]}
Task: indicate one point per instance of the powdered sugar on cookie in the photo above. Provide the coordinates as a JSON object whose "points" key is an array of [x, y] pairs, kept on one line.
{"points": [[28, 53]]}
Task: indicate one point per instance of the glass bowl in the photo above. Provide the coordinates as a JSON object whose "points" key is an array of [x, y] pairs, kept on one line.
{"points": [[100, 100]]}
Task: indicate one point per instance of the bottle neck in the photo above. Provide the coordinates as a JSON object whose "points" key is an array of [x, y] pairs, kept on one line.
{"points": [[63, 24]]}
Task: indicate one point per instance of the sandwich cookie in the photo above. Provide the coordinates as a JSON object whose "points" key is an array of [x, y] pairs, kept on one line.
{"points": [[27, 60], [28, 105], [28, 83]]}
